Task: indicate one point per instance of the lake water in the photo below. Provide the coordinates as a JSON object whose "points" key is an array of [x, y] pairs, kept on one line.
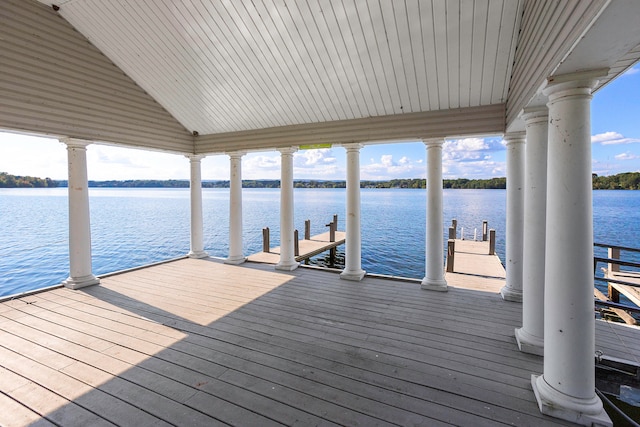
{"points": [[134, 227]]}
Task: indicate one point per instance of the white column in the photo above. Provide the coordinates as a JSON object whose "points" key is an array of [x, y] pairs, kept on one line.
{"points": [[530, 336], [287, 257], [197, 240], [512, 290], [434, 275], [567, 387], [353, 243], [235, 210], [80, 272]]}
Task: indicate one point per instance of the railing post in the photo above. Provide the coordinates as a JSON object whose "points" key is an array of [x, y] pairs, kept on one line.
{"points": [[451, 250], [613, 253], [492, 242], [296, 243], [452, 233], [265, 240], [307, 230], [485, 229], [332, 231]]}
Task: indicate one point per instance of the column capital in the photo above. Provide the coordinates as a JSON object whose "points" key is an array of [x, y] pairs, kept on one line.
{"points": [[435, 142], [287, 150], [580, 83], [514, 138], [235, 154], [195, 157], [75, 142], [352, 146], [535, 114]]}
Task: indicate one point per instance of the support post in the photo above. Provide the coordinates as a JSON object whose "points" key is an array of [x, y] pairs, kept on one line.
{"points": [[492, 242], [296, 243], [353, 244], [236, 255], [454, 224], [80, 269], [530, 336], [451, 253], [287, 259], [307, 229], [613, 253], [265, 240], [566, 389], [485, 230], [512, 290], [197, 224], [434, 275], [452, 233]]}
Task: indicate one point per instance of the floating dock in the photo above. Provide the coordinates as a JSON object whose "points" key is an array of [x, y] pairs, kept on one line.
{"points": [[307, 248], [475, 268]]}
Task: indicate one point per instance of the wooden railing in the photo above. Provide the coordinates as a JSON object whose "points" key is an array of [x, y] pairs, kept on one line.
{"points": [[613, 277]]}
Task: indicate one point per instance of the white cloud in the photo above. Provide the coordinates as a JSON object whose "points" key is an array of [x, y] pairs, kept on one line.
{"points": [[388, 168], [612, 138], [631, 71], [626, 156], [313, 158], [470, 149]]}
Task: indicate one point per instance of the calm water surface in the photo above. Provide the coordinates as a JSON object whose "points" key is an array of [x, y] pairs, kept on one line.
{"points": [[133, 227]]}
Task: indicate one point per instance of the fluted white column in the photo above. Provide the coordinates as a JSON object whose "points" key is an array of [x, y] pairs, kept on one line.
{"points": [[197, 224], [80, 270], [512, 290], [287, 256], [530, 336], [236, 255], [353, 244], [434, 275], [566, 389]]}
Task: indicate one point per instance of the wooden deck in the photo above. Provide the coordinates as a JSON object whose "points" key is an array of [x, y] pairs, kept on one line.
{"points": [[475, 269], [308, 248], [198, 342]]}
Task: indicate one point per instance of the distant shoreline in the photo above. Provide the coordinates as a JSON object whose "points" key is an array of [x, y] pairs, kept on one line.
{"points": [[622, 181]]}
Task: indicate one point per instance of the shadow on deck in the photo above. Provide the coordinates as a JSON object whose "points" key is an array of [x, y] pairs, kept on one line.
{"points": [[199, 342]]}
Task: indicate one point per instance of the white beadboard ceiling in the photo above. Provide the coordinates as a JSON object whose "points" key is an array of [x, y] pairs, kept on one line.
{"points": [[229, 66]]}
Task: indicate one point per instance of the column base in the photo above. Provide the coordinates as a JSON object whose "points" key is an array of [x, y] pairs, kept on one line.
{"points": [[235, 260], [355, 275], [81, 282], [510, 294], [287, 266], [586, 412], [439, 285], [528, 343], [197, 254]]}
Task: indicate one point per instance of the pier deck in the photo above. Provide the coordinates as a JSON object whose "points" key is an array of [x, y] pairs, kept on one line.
{"points": [[199, 342], [475, 269], [308, 248]]}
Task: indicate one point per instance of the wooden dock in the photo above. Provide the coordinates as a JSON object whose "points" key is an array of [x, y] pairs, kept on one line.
{"points": [[474, 268], [200, 342], [308, 247]]}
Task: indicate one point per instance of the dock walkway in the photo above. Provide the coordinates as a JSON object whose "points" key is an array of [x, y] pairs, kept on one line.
{"points": [[475, 269], [308, 248]]}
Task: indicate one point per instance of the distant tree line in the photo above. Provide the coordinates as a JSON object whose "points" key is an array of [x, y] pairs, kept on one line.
{"points": [[15, 181], [621, 181]]}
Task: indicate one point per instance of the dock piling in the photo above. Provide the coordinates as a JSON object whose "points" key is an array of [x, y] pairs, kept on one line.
{"points": [[451, 250], [452, 232], [265, 239], [492, 242], [296, 243], [485, 229], [307, 230]]}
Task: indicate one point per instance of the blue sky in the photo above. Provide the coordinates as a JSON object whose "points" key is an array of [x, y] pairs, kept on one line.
{"points": [[615, 126]]}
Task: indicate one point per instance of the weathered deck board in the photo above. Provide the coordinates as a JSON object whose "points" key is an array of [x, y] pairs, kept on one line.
{"points": [[199, 342]]}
